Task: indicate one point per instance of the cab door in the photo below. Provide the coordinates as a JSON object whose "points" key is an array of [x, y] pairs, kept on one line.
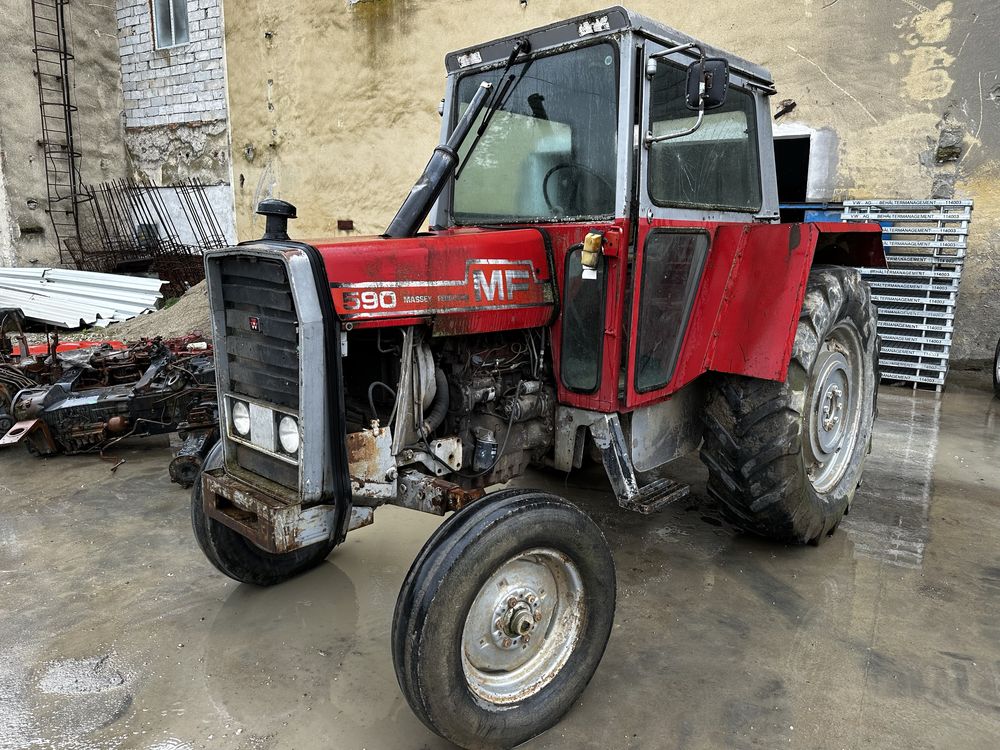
{"points": [[690, 188]]}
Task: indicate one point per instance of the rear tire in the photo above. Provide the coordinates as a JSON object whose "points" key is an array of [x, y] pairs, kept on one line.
{"points": [[240, 559], [996, 371], [503, 618], [785, 459]]}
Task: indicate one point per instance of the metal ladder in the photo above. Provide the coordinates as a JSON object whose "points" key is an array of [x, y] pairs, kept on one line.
{"points": [[62, 160]]}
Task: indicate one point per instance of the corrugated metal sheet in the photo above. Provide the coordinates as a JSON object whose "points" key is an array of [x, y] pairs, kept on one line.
{"points": [[71, 299]]}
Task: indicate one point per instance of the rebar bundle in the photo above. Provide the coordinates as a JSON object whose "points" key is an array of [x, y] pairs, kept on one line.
{"points": [[139, 227]]}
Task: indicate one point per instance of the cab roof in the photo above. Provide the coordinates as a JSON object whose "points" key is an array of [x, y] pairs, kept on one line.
{"points": [[599, 23]]}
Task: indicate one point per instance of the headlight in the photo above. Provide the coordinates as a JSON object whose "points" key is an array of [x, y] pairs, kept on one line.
{"points": [[241, 418], [288, 435]]}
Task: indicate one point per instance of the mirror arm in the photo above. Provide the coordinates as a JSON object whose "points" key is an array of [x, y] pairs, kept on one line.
{"points": [[766, 89], [679, 48]]}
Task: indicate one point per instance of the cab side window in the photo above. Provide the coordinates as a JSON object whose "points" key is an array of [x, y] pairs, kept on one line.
{"points": [[714, 167], [671, 269]]}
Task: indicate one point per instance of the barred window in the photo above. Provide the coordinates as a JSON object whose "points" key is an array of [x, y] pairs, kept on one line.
{"points": [[170, 23]]}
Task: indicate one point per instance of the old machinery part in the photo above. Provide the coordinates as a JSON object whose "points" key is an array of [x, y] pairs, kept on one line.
{"points": [[486, 450], [189, 458], [91, 398]]}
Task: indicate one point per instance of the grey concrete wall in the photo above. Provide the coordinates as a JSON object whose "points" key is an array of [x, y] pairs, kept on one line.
{"points": [[333, 104], [26, 234]]}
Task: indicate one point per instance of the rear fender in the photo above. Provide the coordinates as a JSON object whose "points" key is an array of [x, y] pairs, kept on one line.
{"points": [[758, 313]]}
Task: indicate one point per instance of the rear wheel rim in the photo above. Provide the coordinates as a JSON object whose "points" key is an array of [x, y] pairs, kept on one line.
{"points": [[834, 407], [523, 626]]}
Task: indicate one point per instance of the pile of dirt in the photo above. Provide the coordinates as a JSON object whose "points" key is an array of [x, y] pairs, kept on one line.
{"points": [[189, 314]]}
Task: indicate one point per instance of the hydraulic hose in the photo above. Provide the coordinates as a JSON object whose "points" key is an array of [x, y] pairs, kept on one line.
{"points": [[439, 406]]}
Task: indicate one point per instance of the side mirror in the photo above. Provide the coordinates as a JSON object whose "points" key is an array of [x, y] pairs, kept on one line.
{"points": [[707, 83]]}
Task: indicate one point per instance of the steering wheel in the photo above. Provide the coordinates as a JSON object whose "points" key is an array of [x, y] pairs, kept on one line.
{"points": [[571, 185]]}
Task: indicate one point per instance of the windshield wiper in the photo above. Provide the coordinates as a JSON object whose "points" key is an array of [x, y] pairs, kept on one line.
{"points": [[501, 93]]}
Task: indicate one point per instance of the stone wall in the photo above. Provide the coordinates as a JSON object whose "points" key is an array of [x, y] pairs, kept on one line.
{"points": [[174, 85], [333, 102]]}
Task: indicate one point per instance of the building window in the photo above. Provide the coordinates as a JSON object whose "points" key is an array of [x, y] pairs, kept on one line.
{"points": [[170, 22]]}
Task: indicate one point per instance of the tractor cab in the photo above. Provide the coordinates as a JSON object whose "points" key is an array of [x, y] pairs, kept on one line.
{"points": [[609, 116]]}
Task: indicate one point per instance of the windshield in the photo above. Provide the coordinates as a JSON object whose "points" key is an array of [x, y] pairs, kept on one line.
{"points": [[550, 151]]}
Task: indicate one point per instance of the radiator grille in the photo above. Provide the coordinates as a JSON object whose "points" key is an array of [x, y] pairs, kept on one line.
{"points": [[261, 348], [261, 341]]}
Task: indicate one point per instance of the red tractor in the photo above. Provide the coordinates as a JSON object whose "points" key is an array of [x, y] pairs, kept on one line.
{"points": [[605, 275]]}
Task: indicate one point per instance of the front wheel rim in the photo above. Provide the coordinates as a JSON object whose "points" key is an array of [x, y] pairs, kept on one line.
{"points": [[834, 407], [523, 625]]}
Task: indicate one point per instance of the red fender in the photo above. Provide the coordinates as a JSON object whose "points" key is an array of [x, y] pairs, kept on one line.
{"points": [[758, 283]]}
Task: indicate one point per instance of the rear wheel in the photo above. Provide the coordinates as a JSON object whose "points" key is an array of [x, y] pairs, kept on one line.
{"points": [[996, 371], [237, 557], [785, 459], [503, 618]]}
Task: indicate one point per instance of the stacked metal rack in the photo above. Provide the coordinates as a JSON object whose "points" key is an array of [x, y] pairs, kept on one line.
{"points": [[925, 244]]}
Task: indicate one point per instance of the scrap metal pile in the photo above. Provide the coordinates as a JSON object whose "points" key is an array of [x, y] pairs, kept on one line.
{"points": [[70, 299], [85, 400]]}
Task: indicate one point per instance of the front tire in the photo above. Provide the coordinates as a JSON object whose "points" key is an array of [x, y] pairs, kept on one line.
{"points": [[236, 556], [503, 618], [785, 459]]}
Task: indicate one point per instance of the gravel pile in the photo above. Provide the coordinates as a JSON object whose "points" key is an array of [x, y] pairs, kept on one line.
{"points": [[187, 315]]}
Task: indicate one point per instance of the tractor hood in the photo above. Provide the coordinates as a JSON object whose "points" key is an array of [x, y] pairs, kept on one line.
{"points": [[458, 281]]}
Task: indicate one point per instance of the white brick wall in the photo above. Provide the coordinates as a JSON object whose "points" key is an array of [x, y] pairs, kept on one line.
{"points": [[180, 84]]}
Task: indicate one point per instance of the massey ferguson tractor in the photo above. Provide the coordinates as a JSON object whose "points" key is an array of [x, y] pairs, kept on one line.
{"points": [[604, 275]]}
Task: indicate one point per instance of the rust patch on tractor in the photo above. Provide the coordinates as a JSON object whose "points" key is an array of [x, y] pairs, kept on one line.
{"points": [[455, 497], [362, 447], [370, 463], [271, 523]]}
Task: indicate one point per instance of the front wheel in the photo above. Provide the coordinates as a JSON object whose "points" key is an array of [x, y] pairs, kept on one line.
{"points": [[236, 556], [503, 618], [785, 459]]}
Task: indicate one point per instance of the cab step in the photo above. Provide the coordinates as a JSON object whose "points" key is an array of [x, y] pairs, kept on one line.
{"points": [[656, 496]]}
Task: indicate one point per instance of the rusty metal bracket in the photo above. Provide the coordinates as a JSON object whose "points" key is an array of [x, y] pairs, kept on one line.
{"points": [[269, 522], [371, 465], [35, 431], [429, 494]]}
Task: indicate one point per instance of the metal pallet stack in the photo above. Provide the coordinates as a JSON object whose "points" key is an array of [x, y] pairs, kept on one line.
{"points": [[925, 245]]}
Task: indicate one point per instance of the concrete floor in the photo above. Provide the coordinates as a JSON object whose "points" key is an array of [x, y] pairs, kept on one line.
{"points": [[116, 633]]}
